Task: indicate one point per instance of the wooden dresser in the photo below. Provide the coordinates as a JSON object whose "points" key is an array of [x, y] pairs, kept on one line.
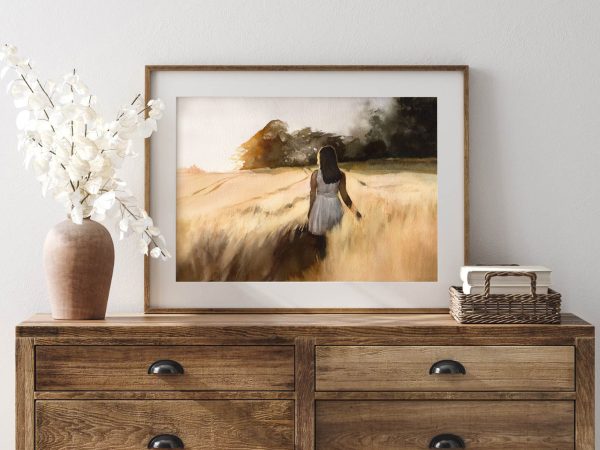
{"points": [[303, 381]]}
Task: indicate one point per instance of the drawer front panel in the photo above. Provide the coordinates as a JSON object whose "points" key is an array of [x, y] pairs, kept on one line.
{"points": [[67, 368], [379, 425], [132, 424], [487, 368]]}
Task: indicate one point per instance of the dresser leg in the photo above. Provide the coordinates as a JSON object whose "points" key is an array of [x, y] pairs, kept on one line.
{"points": [[25, 415], [584, 404], [305, 393]]}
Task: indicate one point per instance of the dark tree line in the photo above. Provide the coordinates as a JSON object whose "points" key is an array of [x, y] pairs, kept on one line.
{"points": [[408, 130]]}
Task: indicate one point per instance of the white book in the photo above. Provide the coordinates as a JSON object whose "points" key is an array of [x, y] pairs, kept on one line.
{"points": [[509, 290], [475, 275]]}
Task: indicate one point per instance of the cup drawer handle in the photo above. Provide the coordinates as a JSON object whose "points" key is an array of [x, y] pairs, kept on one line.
{"points": [[165, 367], [447, 441], [447, 366], [165, 441]]}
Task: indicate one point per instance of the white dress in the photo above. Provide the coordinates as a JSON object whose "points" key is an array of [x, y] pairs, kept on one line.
{"points": [[327, 210]]}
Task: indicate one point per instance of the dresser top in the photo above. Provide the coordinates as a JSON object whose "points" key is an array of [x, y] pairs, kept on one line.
{"points": [[283, 327]]}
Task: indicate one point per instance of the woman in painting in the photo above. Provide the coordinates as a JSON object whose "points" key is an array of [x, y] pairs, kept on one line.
{"points": [[325, 210]]}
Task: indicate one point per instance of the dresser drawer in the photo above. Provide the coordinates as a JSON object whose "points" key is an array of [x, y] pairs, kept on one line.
{"points": [[487, 368], [132, 424], [379, 425], [117, 368]]}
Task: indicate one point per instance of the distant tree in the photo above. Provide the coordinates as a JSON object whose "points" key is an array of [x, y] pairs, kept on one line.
{"points": [[377, 126], [415, 133], [409, 129]]}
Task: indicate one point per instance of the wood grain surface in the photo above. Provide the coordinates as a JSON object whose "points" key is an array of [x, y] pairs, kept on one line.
{"points": [[172, 395], [360, 329], [131, 424], [386, 425], [305, 393], [488, 368], [443, 395], [24, 404], [125, 368], [250, 382], [584, 411]]}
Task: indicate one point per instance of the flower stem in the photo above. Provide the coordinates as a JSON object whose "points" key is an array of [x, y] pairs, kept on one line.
{"points": [[143, 110], [44, 91], [145, 231], [28, 85], [33, 92]]}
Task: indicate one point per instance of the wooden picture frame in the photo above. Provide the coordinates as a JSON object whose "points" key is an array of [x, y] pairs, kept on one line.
{"points": [[152, 70]]}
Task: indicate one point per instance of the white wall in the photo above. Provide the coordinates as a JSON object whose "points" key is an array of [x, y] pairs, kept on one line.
{"points": [[535, 114]]}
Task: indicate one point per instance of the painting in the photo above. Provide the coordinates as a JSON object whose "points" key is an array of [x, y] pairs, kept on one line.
{"points": [[306, 189]]}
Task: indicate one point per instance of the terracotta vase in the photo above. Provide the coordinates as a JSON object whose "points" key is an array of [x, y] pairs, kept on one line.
{"points": [[79, 261]]}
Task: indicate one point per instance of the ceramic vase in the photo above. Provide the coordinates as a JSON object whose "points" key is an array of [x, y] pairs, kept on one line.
{"points": [[79, 261]]}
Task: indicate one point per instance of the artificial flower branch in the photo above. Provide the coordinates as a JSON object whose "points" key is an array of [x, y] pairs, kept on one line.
{"points": [[75, 153]]}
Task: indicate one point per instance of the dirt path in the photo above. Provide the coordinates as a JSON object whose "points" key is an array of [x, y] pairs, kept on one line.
{"points": [[216, 185], [273, 192]]}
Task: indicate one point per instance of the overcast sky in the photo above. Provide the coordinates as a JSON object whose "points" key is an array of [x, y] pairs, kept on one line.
{"points": [[210, 129]]}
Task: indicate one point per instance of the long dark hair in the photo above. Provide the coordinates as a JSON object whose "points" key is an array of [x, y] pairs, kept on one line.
{"points": [[328, 163]]}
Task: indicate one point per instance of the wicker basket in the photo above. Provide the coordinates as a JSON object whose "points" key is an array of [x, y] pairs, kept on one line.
{"points": [[505, 308]]}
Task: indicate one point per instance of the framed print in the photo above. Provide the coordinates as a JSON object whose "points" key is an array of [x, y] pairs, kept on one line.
{"points": [[308, 188]]}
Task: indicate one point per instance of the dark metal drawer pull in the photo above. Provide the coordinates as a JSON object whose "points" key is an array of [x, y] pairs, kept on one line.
{"points": [[165, 441], [447, 441], [447, 366], [165, 367]]}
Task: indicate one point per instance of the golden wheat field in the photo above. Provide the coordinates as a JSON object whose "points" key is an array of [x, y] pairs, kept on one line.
{"points": [[250, 225]]}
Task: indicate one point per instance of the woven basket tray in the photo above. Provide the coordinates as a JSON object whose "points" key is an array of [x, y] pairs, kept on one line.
{"points": [[505, 308]]}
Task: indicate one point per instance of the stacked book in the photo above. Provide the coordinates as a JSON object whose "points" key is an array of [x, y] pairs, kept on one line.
{"points": [[473, 279]]}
